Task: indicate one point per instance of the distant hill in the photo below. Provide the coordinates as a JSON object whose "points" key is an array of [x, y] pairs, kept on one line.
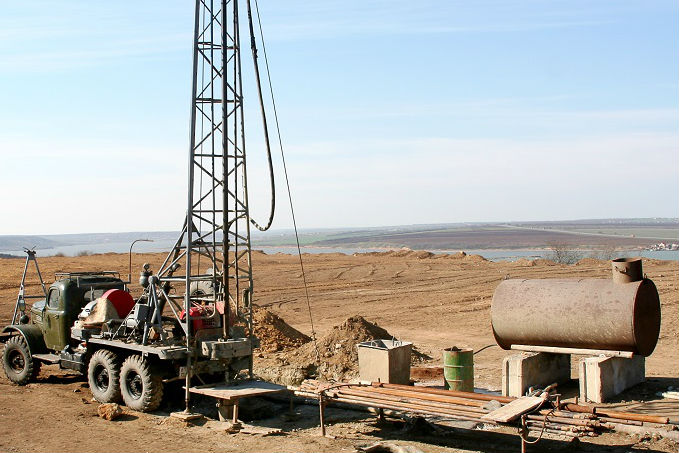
{"points": [[19, 242], [51, 241]]}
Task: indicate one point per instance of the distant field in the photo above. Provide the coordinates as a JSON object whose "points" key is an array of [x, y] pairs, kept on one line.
{"points": [[641, 232], [624, 235], [484, 238]]}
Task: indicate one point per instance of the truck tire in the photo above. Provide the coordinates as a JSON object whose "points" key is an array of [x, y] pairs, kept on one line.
{"points": [[103, 375], [142, 389], [17, 361]]}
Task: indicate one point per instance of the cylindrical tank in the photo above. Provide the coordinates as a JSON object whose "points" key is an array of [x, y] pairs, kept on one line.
{"points": [[577, 313], [458, 369]]}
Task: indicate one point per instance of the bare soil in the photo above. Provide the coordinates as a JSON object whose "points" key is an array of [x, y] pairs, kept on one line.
{"points": [[434, 301]]}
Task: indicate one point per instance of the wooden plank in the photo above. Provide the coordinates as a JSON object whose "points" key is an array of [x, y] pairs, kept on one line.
{"points": [[576, 351], [241, 390], [513, 410], [47, 358]]}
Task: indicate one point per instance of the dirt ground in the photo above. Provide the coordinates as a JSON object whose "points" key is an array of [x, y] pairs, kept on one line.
{"points": [[434, 301]]}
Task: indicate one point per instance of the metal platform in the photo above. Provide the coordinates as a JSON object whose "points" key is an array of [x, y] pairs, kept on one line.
{"points": [[228, 395], [242, 389]]}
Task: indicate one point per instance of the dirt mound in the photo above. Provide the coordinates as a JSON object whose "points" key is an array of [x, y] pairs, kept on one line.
{"points": [[338, 352], [524, 262], [590, 262], [457, 256], [475, 258], [543, 262], [274, 334], [421, 254]]}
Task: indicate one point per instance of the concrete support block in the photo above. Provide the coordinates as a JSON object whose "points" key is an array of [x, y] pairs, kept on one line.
{"points": [[604, 377], [533, 369]]}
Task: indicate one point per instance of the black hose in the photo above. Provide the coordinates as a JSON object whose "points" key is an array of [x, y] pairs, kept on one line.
{"points": [[253, 48]]}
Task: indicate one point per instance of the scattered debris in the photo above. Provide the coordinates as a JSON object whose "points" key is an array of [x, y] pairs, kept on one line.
{"points": [[174, 422], [109, 411], [672, 395], [259, 430], [231, 428], [388, 447], [186, 416]]}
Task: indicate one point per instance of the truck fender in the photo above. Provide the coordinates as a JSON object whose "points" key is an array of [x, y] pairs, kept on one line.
{"points": [[32, 334]]}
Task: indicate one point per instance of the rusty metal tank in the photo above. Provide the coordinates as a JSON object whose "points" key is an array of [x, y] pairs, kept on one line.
{"points": [[618, 314]]}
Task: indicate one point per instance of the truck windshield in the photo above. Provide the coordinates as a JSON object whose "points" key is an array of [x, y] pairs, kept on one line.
{"points": [[53, 300]]}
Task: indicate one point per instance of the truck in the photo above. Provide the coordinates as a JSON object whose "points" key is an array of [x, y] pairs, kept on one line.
{"points": [[120, 364]]}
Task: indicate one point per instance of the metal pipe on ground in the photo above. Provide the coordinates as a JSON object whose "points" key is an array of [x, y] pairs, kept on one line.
{"points": [[398, 399], [416, 406], [617, 415], [430, 397], [563, 420], [470, 395], [404, 408]]}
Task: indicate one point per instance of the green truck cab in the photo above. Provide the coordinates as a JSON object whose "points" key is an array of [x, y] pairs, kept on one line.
{"points": [[65, 300]]}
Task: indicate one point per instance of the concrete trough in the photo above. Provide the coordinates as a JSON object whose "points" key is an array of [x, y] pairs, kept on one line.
{"points": [[385, 361]]}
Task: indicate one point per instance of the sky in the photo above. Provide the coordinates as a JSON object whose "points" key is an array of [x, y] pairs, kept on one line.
{"points": [[392, 112]]}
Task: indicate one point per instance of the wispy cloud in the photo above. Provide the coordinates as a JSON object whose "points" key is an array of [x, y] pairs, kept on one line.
{"points": [[329, 19]]}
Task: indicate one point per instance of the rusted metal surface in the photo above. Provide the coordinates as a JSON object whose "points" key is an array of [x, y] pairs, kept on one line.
{"points": [[577, 313], [617, 415], [449, 393], [627, 270]]}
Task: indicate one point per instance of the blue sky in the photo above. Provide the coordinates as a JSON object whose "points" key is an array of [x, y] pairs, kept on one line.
{"points": [[392, 112]]}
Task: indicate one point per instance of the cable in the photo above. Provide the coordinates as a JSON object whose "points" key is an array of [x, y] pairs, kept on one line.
{"points": [[484, 348], [287, 184], [253, 49], [523, 429]]}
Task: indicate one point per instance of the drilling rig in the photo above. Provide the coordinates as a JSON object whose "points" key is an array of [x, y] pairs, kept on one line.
{"points": [[194, 317]]}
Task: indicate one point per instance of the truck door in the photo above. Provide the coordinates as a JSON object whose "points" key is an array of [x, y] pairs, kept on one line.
{"points": [[54, 321]]}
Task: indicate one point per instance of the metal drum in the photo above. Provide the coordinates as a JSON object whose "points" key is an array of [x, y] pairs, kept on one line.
{"points": [[579, 313], [458, 369]]}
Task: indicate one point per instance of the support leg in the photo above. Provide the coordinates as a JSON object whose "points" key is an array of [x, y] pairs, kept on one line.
{"points": [[321, 413], [380, 415], [235, 412], [225, 410]]}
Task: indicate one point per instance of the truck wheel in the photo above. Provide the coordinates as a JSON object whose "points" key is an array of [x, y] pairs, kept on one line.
{"points": [[103, 376], [142, 389], [19, 366]]}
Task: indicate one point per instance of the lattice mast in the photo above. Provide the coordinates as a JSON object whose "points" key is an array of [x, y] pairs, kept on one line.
{"points": [[214, 246]]}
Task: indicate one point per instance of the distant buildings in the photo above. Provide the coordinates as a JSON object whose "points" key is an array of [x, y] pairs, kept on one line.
{"points": [[663, 246]]}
